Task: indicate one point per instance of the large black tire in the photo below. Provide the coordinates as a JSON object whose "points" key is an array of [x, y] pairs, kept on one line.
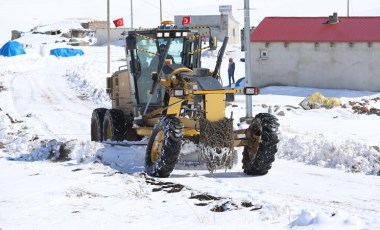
{"points": [[97, 119], [164, 147], [264, 126], [114, 125]]}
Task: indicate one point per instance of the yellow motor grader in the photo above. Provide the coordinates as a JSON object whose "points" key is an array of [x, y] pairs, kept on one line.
{"points": [[165, 95]]}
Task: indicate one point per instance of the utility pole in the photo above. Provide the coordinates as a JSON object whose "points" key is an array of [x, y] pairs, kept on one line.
{"points": [[248, 79], [131, 14], [348, 8], [108, 37], [160, 12]]}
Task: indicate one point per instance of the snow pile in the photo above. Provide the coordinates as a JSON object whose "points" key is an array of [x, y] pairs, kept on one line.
{"points": [[80, 81], [347, 155], [21, 145], [321, 221]]}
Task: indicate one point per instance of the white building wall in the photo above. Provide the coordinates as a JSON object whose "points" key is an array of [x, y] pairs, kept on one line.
{"points": [[221, 26], [115, 34], [319, 65]]}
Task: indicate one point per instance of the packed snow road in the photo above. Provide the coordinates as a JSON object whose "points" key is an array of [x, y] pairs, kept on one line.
{"points": [[43, 99]]}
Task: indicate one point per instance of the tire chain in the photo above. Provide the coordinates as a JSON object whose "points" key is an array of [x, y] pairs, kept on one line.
{"points": [[216, 143]]}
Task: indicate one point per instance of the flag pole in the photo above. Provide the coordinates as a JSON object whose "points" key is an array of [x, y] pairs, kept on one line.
{"points": [[131, 14], [248, 78], [108, 37], [160, 12]]}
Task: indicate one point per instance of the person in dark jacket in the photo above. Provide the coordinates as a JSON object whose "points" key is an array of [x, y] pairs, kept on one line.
{"points": [[231, 71]]}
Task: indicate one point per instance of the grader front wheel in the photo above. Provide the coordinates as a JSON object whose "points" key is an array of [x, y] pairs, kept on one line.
{"points": [[260, 154], [164, 147]]}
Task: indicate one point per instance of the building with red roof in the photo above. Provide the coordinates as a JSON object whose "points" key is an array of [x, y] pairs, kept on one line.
{"points": [[320, 52]]}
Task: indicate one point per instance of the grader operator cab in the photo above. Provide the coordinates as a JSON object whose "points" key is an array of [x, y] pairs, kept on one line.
{"points": [[166, 96]]}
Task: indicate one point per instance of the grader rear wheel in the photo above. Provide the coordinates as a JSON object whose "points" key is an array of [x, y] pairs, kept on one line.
{"points": [[164, 147], [260, 154], [114, 125], [97, 119]]}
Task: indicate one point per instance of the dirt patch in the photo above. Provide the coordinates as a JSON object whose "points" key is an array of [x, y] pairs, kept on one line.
{"points": [[204, 196], [215, 203], [168, 187], [2, 88], [363, 106], [13, 121], [61, 155]]}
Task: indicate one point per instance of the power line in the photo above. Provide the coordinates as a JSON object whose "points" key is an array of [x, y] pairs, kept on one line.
{"points": [[157, 7]]}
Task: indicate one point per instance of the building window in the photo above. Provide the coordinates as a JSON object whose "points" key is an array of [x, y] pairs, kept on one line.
{"points": [[233, 32]]}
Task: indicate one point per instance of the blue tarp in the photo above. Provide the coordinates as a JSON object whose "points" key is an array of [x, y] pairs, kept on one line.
{"points": [[66, 52], [12, 48], [240, 83]]}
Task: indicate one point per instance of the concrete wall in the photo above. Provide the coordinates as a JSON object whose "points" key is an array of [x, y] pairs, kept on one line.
{"points": [[115, 34], [320, 65], [221, 26], [233, 31]]}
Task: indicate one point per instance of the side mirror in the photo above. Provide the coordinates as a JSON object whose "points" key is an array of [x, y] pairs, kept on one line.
{"points": [[213, 43], [131, 42]]}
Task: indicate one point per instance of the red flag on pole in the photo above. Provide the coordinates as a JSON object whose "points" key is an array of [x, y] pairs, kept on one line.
{"points": [[118, 22], [185, 20]]}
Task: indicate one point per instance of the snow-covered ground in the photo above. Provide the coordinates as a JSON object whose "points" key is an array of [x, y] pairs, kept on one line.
{"points": [[325, 175]]}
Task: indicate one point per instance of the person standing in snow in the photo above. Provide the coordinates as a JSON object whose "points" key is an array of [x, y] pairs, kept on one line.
{"points": [[231, 71]]}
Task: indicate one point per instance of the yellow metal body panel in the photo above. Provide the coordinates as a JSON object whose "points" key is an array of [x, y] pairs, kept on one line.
{"points": [[189, 132], [224, 91], [121, 93], [215, 106], [147, 131], [144, 131], [174, 106]]}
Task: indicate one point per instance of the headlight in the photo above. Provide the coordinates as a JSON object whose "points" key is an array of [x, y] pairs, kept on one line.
{"points": [[166, 34], [159, 35], [178, 34], [251, 90], [184, 34]]}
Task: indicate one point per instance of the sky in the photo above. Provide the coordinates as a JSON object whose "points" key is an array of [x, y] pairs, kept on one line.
{"points": [[146, 13], [325, 175]]}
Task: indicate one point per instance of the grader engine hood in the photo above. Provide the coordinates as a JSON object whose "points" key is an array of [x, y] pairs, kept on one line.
{"points": [[201, 77]]}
